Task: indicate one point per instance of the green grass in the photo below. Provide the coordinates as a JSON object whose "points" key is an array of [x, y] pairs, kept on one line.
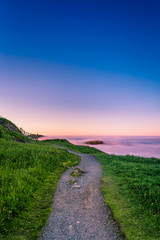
{"points": [[6, 123], [29, 173], [7, 134], [71, 182], [131, 187], [76, 148], [76, 173]]}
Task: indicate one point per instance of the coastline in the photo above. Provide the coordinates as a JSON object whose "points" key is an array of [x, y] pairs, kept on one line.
{"points": [[141, 146]]}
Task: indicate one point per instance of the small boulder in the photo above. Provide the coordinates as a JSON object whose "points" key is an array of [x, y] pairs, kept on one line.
{"points": [[76, 186], [95, 142]]}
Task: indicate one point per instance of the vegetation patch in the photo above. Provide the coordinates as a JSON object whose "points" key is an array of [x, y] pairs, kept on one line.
{"points": [[76, 148], [9, 125], [19, 139], [71, 182], [77, 172]]}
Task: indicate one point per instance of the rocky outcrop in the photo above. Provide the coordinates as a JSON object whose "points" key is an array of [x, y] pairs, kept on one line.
{"points": [[94, 142], [9, 125]]}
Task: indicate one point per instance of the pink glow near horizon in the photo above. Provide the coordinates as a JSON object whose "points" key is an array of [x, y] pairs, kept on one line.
{"points": [[41, 99], [61, 125]]}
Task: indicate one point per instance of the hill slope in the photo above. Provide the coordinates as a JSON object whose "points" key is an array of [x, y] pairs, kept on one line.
{"points": [[9, 125], [10, 131]]}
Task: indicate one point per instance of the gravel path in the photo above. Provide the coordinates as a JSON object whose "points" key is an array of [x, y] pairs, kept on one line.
{"points": [[79, 211]]}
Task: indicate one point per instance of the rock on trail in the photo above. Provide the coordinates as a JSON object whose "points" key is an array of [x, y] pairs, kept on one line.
{"points": [[79, 213]]}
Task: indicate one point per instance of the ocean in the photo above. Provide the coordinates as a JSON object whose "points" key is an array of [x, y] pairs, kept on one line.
{"points": [[119, 145]]}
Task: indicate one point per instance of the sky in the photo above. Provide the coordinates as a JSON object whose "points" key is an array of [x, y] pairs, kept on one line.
{"points": [[81, 67]]}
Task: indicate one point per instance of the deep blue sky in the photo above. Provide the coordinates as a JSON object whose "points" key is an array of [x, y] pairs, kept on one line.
{"points": [[119, 38]]}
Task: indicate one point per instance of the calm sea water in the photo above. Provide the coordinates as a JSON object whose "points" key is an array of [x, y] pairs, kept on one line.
{"points": [[138, 146]]}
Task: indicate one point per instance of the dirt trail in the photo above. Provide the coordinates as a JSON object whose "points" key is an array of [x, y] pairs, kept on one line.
{"points": [[78, 210]]}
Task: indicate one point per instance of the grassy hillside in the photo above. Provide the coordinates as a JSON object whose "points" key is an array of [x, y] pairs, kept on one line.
{"points": [[131, 187], [29, 173], [30, 170], [10, 131], [9, 125]]}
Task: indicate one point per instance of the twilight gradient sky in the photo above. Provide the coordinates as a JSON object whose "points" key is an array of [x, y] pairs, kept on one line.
{"points": [[81, 67]]}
